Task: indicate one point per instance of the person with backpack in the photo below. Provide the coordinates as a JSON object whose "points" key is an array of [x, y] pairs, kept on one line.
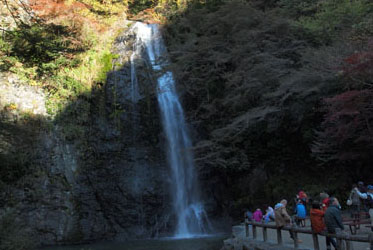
{"points": [[363, 189], [318, 224], [368, 197], [333, 217], [354, 203], [301, 212]]}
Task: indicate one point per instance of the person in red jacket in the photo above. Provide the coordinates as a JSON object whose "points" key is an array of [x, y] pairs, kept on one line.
{"points": [[318, 224], [302, 196]]}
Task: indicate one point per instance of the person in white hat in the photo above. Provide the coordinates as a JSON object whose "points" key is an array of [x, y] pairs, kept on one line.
{"points": [[368, 196]]}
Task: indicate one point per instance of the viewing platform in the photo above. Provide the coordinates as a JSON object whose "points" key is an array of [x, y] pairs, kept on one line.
{"points": [[254, 235]]}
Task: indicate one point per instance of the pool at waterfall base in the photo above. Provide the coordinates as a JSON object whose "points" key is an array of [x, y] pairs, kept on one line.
{"points": [[212, 242]]}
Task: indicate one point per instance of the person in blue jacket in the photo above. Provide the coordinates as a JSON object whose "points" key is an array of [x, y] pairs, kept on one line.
{"points": [[301, 212]]}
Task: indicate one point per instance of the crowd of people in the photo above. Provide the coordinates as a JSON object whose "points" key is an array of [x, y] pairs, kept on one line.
{"points": [[325, 212]]}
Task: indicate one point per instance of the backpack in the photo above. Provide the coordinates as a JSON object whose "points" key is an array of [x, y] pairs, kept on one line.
{"points": [[370, 200], [301, 211], [355, 198]]}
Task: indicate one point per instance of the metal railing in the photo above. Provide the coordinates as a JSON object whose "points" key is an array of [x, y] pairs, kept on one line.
{"points": [[340, 236]]}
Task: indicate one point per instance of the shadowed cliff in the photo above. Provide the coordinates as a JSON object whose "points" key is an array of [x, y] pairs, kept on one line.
{"points": [[91, 173]]}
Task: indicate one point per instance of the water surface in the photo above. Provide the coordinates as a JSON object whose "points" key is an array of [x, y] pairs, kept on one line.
{"points": [[206, 243]]}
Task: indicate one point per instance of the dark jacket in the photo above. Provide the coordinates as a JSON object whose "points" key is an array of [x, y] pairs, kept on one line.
{"points": [[333, 219]]}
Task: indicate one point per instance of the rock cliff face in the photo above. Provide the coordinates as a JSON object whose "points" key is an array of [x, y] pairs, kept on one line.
{"points": [[124, 175], [39, 167], [109, 182]]}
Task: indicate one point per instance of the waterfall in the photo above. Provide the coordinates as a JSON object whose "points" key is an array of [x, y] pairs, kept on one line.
{"points": [[189, 210], [136, 53]]}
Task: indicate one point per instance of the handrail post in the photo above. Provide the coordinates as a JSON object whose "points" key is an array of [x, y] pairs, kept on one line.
{"points": [[279, 236], [316, 244], [348, 244], [265, 238], [339, 238], [370, 238], [254, 231], [295, 236], [246, 228]]}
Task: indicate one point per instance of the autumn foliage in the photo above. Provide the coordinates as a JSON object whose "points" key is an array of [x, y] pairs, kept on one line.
{"points": [[53, 8], [358, 68], [346, 132], [347, 128]]}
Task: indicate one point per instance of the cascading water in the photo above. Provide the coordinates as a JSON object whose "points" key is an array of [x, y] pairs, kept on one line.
{"points": [[134, 151], [191, 216], [134, 85]]}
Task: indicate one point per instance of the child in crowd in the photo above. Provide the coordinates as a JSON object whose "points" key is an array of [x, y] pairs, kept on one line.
{"points": [[300, 212], [270, 215], [258, 215]]}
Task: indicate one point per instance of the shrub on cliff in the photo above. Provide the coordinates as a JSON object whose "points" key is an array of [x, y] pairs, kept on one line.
{"points": [[298, 8], [330, 18], [64, 48]]}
